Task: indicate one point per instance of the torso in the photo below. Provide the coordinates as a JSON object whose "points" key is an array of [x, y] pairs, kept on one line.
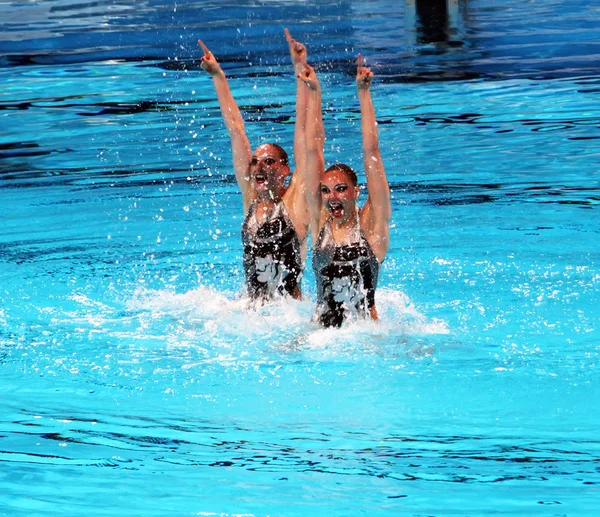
{"points": [[272, 254], [346, 275]]}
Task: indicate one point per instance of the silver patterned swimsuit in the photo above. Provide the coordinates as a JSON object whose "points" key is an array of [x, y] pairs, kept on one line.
{"points": [[272, 258], [346, 274]]}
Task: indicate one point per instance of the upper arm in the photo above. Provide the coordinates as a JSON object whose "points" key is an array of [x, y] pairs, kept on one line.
{"points": [[377, 186], [242, 155], [315, 165], [376, 213], [376, 229]]}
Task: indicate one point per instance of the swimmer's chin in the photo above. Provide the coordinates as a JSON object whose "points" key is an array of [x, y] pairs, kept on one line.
{"points": [[336, 213]]}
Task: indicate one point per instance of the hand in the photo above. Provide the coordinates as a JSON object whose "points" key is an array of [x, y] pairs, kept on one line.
{"points": [[297, 51], [208, 61], [309, 77], [364, 76]]}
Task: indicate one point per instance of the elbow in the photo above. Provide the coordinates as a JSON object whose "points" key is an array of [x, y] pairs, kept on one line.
{"points": [[315, 145], [371, 149], [236, 129]]}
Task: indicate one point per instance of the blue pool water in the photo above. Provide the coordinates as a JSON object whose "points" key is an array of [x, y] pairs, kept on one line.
{"points": [[134, 379]]}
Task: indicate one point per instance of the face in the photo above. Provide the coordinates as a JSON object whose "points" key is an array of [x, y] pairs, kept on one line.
{"points": [[267, 171], [338, 194]]}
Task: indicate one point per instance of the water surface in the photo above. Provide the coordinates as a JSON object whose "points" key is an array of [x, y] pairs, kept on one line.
{"points": [[135, 379]]}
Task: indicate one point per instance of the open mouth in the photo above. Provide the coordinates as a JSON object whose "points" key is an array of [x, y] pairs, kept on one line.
{"points": [[260, 179], [336, 209]]}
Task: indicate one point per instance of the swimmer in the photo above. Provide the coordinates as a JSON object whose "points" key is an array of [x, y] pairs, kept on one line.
{"points": [[349, 244], [276, 216]]}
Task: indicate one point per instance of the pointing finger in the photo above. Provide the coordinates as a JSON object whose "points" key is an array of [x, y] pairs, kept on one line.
{"points": [[288, 36], [204, 47]]}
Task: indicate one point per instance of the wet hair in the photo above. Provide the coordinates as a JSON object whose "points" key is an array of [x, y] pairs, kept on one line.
{"points": [[283, 156], [346, 169]]}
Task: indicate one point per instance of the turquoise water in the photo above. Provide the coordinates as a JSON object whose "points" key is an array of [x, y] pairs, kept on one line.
{"points": [[136, 381]]}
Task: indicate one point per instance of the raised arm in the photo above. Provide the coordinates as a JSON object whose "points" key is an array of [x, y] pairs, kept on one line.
{"points": [[298, 55], [295, 195], [240, 146], [375, 215], [315, 140]]}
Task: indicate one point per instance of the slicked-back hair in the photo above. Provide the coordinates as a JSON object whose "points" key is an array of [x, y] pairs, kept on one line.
{"points": [[344, 168], [283, 156]]}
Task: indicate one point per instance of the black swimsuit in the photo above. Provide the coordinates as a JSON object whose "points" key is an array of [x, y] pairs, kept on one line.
{"points": [[346, 276], [272, 257]]}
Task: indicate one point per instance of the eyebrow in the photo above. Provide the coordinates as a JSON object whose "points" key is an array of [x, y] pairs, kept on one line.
{"points": [[336, 185]]}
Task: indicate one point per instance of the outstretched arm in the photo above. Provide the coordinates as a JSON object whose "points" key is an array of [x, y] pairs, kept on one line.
{"points": [[315, 140], [295, 195], [375, 215], [240, 146], [298, 55]]}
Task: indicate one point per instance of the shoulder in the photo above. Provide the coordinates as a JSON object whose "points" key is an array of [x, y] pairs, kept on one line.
{"points": [[376, 233]]}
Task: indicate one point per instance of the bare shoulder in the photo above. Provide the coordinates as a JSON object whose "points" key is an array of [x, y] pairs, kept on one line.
{"points": [[295, 204], [376, 230]]}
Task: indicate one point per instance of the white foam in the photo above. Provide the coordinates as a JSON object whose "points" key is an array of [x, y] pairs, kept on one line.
{"points": [[223, 314], [230, 327], [398, 313], [210, 307]]}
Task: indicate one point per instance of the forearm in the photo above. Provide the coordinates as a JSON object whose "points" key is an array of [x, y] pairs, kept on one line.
{"points": [[230, 111], [315, 133], [370, 137], [300, 126]]}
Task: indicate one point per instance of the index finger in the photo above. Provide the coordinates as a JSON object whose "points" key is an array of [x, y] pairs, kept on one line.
{"points": [[360, 60], [205, 48], [288, 36]]}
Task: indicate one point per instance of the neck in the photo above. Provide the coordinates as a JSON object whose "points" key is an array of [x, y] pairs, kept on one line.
{"points": [[346, 222], [270, 197], [265, 205]]}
